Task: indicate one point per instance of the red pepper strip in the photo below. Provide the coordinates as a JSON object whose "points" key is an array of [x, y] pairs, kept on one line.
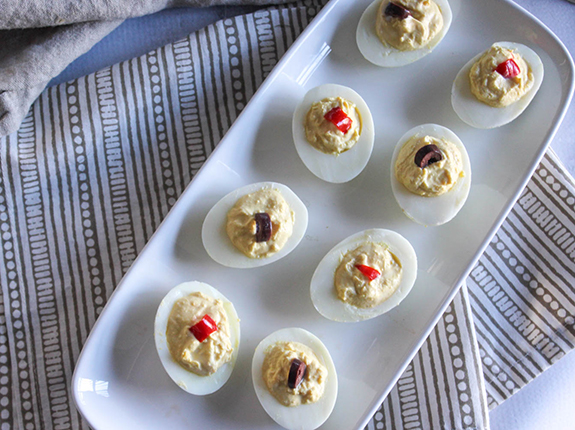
{"points": [[339, 118], [204, 328], [508, 69], [369, 272]]}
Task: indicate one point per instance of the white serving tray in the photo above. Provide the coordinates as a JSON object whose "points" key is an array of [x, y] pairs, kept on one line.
{"points": [[119, 381]]}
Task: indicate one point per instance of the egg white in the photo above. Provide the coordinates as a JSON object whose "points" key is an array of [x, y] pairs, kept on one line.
{"points": [[322, 288], [303, 417], [334, 168], [188, 381], [431, 211], [382, 55], [480, 115], [219, 246]]}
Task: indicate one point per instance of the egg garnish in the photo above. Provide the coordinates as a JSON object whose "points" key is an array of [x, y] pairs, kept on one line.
{"points": [[398, 32], [254, 225], [430, 174], [333, 132], [295, 379], [364, 276], [197, 336], [497, 85]]}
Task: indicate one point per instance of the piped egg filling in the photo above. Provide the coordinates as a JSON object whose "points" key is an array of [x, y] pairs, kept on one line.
{"points": [[430, 174], [293, 374], [367, 275], [194, 352], [500, 77], [332, 125], [294, 378], [494, 87], [429, 166], [260, 223], [398, 32], [333, 132], [372, 270], [197, 337], [408, 25]]}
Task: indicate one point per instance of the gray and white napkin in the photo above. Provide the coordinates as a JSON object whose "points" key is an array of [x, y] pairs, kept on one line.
{"points": [[522, 290], [99, 161], [38, 39], [443, 386], [513, 319]]}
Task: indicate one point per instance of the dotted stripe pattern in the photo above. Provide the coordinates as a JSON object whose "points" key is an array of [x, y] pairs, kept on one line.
{"points": [[188, 101], [77, 176], [521, 289], [439, 388], [42, 327], [6, 261], [236, 75], [30, 279], [519, 315], [115, 162], [16, 410], [5, 376], [84, 196], [160, 128]]}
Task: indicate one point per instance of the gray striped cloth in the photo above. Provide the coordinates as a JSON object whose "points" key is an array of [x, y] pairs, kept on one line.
{"points": [[522, 299], [99, 162], [522, 289], [442, 388]]}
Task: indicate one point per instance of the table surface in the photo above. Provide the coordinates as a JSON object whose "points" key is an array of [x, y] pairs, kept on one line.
{"points": [[544, 403]]}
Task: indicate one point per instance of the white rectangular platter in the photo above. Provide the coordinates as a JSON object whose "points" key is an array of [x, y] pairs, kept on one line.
{"points": [[119, 381]]}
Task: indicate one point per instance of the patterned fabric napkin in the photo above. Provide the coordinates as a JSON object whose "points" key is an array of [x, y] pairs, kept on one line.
{"points": [[98, 163], [522, 299], [38, 39], [522, 290], [442, 387]]}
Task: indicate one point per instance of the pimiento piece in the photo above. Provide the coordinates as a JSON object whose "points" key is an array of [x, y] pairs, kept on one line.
{"points": [[508, 69], [395, 10], [427, 155], [204, 328], [339, 118], [263, 227], [369, 272], [296, 373]]}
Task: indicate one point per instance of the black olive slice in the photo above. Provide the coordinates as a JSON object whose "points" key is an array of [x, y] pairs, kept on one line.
{"points": [[296, 373], [427, 155], [395, 10], [263, 227]]}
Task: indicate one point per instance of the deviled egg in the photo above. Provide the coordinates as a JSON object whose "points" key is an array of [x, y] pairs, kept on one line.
{"points": [[333, 132], [398, 32], [497, 85], [254, 225], [430, 174], [197, 335], [364, 276], [295, 379]]}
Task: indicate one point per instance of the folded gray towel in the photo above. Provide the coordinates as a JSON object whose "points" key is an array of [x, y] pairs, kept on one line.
{"points": [[38, 39]]}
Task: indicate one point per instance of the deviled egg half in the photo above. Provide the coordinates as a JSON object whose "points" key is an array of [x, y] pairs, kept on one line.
{"points": [[430, 174], [333, 132], [295, 379], [497, 85], [394, 33], [254, 225], [197, 335], [364, 276]]}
